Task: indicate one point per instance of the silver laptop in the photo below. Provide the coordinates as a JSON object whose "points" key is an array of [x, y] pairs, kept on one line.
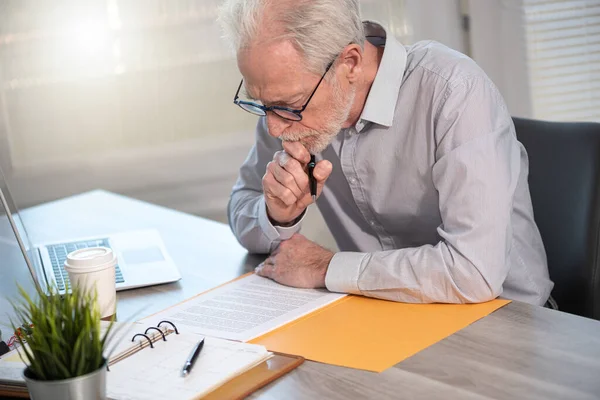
{"points": [[142, 257]]}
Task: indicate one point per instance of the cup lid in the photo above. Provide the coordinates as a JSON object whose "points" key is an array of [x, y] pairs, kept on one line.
{"points": [[90, 257]]}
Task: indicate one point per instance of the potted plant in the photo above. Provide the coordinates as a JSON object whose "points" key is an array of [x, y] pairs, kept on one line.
{"points": [[65, 348]]}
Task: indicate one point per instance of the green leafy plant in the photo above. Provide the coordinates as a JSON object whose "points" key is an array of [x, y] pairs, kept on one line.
{"points": [[65, 340]]}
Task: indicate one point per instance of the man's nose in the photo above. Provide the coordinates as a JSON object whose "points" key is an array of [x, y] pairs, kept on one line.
{"points": [[276, 124]]}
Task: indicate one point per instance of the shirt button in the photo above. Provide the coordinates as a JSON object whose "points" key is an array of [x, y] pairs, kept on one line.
{"points": [[352, 180], [372, 223]]}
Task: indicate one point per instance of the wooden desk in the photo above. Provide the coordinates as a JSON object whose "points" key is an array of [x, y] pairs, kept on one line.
{"points": [[519, 351]]}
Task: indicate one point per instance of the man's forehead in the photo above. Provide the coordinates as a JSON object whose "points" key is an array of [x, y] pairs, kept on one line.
{"points": [[271, 52], [274, 72]]}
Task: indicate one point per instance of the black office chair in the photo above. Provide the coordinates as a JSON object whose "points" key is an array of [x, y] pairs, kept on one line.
{"points": [[564, 180]]}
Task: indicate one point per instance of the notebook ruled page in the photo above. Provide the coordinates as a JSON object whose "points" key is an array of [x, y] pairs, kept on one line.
{"points": [[156, 372]]}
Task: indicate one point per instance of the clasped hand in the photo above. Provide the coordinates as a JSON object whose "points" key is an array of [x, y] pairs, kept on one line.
{"points": [[297, 262], [285, 183]]}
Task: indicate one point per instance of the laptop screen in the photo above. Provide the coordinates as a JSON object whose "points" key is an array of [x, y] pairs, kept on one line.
{"points": [[12, 206], [13, 266]]}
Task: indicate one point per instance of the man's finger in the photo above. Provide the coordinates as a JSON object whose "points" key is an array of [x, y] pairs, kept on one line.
{"points": [[281, 158], [322, 170], [294, 167], [298, 151], [321, 173], [265, 269], [285, 178], [274, 189]]}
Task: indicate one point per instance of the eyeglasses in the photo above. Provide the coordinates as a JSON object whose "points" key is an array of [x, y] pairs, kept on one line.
{"points": [[283, 112]]}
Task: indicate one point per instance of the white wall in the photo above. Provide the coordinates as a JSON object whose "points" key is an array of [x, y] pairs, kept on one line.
{"points": [[437, 20], [497, 45], [414, 20]]}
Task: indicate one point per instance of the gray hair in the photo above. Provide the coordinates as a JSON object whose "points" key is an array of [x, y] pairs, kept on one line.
{"points": [[319, 29]]}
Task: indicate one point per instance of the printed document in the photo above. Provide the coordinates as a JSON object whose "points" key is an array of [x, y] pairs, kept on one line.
{"points": [[244, 309]]}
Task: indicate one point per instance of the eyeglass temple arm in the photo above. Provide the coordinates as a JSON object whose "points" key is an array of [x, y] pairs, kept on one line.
{"points": [[238, 91], [318, 84]]}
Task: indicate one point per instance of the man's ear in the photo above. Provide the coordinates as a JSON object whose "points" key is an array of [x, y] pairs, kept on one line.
{"points": [[352, 59]]}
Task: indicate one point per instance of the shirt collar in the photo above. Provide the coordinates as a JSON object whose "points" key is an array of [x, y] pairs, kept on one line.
{"points": [[383, 96]]}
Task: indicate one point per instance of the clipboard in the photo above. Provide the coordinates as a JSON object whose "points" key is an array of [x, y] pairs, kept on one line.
{"points": [[256, 378], [11, 392]]}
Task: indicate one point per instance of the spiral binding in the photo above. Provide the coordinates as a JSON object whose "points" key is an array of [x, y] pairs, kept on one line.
{"points": [[159, 331], [157, 327]]}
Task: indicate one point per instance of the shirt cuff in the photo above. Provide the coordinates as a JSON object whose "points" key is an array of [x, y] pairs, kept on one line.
{"points": [[343, 272], [276, 233]]}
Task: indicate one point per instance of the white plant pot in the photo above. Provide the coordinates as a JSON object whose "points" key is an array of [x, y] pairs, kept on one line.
{"points": [[86, 387]]}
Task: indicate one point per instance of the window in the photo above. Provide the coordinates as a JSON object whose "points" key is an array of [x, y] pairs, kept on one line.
{"points": [[87, 79], [544, 55], [563, 42]]}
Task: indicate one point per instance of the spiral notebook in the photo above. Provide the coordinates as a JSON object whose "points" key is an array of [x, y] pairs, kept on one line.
{"points": [[147, 365]]}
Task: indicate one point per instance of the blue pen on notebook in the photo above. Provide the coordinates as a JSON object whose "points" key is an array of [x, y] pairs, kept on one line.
{"points": [[189, 363]]}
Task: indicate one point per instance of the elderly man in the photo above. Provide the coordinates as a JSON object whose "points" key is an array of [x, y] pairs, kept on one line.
{"points": [[420, 177]]}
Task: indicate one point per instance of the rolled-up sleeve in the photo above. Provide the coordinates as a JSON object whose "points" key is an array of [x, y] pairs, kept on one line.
{"points": [[247, 210], [476, 171]]}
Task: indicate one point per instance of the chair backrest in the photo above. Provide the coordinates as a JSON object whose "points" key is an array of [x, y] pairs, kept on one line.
{"points": [[564, 181]]}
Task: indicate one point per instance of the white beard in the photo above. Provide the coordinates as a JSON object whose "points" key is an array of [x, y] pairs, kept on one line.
{"points": [[318, 140]]}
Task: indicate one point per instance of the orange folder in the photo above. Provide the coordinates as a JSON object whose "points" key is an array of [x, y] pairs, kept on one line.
{"points": [[371, 334]]}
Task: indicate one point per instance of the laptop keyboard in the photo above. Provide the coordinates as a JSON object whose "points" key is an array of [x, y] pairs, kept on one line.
{"points": [[58, 256]]}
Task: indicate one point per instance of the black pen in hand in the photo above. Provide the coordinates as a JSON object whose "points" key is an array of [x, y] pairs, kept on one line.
{"points": [[189, 363], [311, 179]]}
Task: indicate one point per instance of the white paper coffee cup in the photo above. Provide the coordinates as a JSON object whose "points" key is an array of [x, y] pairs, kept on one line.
{"points": [[94, 268]]}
